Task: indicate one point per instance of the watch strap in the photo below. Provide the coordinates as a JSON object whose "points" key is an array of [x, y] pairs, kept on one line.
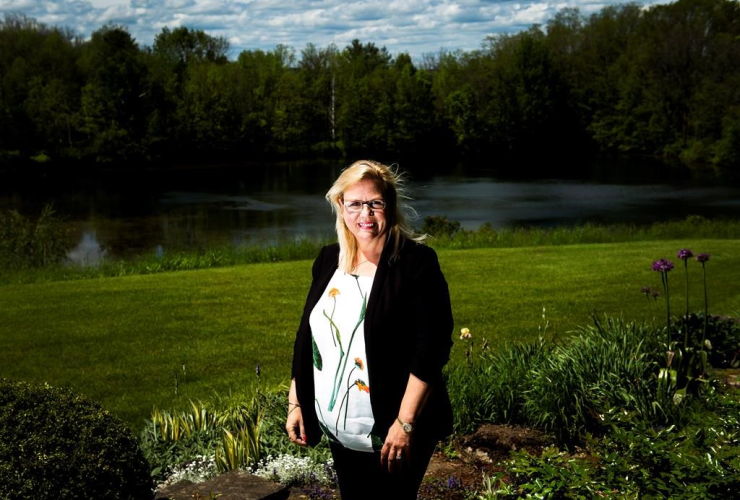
{"points": [[407, 427]]}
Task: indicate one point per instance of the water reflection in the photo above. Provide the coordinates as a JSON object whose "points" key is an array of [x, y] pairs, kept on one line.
{"points": [[120, 214], [88, 252], [551, 203]]}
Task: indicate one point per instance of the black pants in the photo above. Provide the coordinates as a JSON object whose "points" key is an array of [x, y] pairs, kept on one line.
{"points": [[361, 476]]}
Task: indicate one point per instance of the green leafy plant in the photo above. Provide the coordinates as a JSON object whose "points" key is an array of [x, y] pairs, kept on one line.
{"points": [[26, 242], [720, 336], [436, 225], [494, 487], [55, 444]]}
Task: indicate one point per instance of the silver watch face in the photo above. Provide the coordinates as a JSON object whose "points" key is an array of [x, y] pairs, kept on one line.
{"points": [[407, 428]]}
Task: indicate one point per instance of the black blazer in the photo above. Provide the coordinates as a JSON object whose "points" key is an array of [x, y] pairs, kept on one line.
{"points": [[408, 328]]}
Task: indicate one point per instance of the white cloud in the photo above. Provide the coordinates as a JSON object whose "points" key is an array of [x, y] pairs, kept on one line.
{"points": [[414, 26], [17, 5]]}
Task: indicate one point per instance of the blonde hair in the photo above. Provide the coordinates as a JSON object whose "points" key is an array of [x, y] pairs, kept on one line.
{"points": [[390, 183]]}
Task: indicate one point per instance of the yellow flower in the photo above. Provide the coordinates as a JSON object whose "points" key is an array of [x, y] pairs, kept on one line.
{"points": [[362, 386], [333, 292], [465, 334]]}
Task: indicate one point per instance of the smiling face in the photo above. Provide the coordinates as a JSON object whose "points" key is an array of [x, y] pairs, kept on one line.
{"points": [[366, 225]]}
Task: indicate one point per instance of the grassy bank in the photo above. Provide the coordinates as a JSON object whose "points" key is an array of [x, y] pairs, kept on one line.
{"points": [[445, 235], [131, 341]]}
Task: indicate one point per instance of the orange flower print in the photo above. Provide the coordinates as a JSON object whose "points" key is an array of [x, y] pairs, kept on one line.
{"points": [[359, 364], [333, 292], [362, 386]]}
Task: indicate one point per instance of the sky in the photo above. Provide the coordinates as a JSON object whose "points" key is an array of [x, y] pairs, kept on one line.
{"points": [[414, 26]]}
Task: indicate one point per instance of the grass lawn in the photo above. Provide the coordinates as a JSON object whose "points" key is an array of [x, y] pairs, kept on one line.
{"points": [[125, 341]]}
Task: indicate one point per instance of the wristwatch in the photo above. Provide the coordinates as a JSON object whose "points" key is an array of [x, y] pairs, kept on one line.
{"points": [[407, 428]]}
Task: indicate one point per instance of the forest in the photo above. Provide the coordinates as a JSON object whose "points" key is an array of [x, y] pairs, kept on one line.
{"points": [[660, 81]]}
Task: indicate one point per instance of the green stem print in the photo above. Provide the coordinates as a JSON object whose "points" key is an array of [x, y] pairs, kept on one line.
{"points": [[342, 360], [332, 326], [361, 385], [341, 404], [322, 424]]}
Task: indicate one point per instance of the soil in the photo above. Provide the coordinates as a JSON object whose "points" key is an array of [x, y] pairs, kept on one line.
{"points": [[453, 474]]}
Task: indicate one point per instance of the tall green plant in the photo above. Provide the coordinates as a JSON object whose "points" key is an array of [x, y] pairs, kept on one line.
{"points": [[231, 434], [27, 242]]}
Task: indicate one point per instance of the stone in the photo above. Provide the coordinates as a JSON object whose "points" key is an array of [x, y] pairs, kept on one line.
{"points": [[233, 485]]}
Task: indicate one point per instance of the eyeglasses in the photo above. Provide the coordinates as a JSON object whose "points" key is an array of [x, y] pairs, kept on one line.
{"points": [[356, 206]]}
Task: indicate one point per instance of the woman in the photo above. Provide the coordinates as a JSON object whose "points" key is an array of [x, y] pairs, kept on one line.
{"points": [[375, 334]]}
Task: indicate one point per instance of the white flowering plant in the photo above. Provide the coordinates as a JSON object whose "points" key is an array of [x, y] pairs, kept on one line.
{"points": [[200, 469], [290, 470]]}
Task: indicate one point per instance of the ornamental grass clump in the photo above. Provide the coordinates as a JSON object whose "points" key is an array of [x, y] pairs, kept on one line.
{"points": [[231, 435], [566, 388], [607, 367]]}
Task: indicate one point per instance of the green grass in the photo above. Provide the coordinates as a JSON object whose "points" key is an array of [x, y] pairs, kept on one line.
{"points": [[122, 340]]}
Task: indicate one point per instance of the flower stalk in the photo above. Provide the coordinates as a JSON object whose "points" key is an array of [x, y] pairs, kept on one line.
{"points": [[685, 254], [664, 266], [703, 258]]}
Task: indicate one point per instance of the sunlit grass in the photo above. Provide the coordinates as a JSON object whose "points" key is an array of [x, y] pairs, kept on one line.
{"points": [[124, 341]]}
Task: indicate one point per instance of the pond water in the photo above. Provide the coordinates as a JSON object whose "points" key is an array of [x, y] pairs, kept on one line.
{"points": [[124, 212]]}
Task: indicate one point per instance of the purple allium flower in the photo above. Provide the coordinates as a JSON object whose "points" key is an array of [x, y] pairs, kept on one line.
{"points": [[645, 290], [655, 294], [702, 257], [257, 370], [662, 265], [685, 254]]}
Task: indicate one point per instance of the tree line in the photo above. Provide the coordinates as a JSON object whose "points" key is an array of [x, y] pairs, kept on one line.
{"points": [[663, 80]]}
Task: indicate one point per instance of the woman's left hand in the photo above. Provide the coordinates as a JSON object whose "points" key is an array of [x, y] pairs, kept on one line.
{"points": [[396, 451]]}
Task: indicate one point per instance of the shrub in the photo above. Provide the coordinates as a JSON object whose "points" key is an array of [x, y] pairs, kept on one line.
{"points": [[55, 444], [436, 225], [28, 243]]}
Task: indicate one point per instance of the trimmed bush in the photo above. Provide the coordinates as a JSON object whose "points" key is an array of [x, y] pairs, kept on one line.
{"points": [[55, 444]]}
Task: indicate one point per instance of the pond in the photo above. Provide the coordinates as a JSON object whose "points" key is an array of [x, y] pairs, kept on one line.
{"points": [[128, 212]]}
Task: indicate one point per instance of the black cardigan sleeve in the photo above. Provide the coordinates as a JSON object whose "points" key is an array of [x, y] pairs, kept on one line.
{"points": [[432, 317]]}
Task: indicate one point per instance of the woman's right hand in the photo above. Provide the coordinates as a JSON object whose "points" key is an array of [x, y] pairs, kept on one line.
{"points": [[294, 426], [294, 422]]}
